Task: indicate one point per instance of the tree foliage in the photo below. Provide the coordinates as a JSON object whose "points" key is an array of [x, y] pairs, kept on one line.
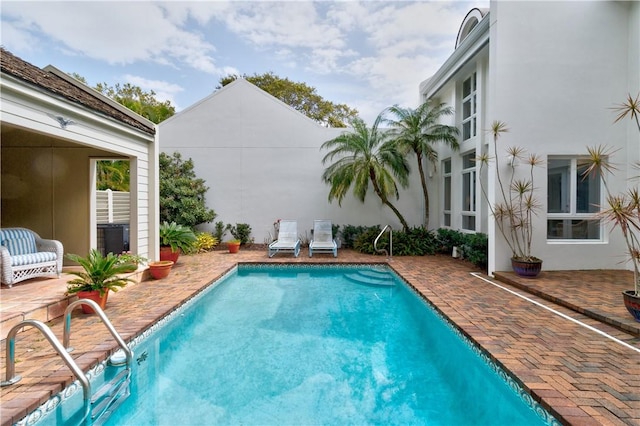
{"points": [[366, 156], [139, 101], [299, 96], [418, 130], [182, 194], [113, 174]]}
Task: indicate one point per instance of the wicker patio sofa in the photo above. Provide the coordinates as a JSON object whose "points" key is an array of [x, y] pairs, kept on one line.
{"points": [[24, 255]]}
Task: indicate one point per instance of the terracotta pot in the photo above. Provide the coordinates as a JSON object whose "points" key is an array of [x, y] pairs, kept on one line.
{"points": [[632, 303], [525, 268], [160, 269], [167, 254], [95, 296], [233, 247]]}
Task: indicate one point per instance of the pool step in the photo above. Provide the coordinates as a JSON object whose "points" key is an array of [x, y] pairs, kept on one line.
{"points": [[372, 277], [109, 397]]}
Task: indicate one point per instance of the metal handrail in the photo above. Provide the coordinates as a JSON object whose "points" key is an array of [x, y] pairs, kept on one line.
{"points": [[375, 243], [12, 378], [66, 336]]}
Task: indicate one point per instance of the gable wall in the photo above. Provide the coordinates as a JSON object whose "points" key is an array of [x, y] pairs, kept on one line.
{"points": [[262, 162]]}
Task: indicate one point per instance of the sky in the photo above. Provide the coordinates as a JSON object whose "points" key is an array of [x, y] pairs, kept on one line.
{"points": [[368, 55]]}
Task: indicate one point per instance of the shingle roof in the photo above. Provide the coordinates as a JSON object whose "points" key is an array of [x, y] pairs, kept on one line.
{"points": [[18, 68]]}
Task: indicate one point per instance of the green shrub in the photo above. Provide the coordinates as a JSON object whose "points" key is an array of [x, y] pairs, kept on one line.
{"points": [[240, 232], [205, 242], [415, 242], [220, 231], [350, 233], [448, 238], [476, 248], [177, 237], [182, 194], [363, 241]]}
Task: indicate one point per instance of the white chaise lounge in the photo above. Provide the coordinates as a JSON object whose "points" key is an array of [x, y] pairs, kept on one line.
{"points": [[288, 240], [24, 255], [323, 238]]}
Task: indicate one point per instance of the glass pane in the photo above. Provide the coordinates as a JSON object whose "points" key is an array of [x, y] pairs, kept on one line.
{"points": [[588, 191], [473, 191], [466, 130], [573, 229], [473, 126], [466, 88], [466, 109], [469, 160], [474, 85], [447, 193], [466, 192], [558, 181], [446, 165], [447, 219], [469, 223]]}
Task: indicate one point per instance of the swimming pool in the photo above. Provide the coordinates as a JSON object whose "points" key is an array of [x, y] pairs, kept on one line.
{"points": [[308, 345]]}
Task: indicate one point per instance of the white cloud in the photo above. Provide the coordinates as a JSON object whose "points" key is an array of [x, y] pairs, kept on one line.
{"points": [[114, 32], [165, 91]]}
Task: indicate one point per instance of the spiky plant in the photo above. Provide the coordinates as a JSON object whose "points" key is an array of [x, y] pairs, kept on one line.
{"points": [[514, 213], [99, 272], [620, 210]]}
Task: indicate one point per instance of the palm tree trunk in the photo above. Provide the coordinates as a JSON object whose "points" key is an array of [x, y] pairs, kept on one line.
{"points": [[425, 193], [386, 202]]}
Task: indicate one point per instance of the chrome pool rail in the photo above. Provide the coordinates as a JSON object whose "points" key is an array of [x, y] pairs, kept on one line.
{"points": [[106, 397], [375, 243]]}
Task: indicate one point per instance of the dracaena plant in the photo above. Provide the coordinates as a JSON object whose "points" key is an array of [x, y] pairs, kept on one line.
{"points": [[620, 210], [517, 205]]}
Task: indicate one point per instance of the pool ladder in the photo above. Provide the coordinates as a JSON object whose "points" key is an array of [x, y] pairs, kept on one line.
{"points": [[375, 243], [110, 395]]}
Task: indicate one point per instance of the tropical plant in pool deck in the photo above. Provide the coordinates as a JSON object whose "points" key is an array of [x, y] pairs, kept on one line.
{"points": [[516, 203], [362, 156], [175, 239], [418, 130], [621, 210], [99, 275]]}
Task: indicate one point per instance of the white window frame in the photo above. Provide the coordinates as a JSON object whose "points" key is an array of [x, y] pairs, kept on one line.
{"points": [[572, 200], [447, 192], [469, 118], [469, 175]]}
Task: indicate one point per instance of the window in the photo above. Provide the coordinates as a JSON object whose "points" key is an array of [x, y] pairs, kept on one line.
{"points": [[572, 201], [469, 191], [446, 167], [469, 107]]}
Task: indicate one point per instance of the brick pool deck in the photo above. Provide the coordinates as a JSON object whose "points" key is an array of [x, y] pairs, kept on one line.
{"points": [[578, 374]]}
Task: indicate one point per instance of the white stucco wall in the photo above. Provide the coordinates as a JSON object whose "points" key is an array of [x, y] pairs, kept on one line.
{"points": [[551, 71], [262, 161], [557, 68]]}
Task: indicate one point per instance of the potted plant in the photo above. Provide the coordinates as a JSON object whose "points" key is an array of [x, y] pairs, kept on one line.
{"points": [[622, 210], [241, 235], [516, 202], [131, 260], [233, 246], [175, 239], [99, 275], [160, 269]]}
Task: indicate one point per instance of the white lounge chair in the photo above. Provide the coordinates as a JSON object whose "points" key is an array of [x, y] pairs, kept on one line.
{"points": [[288, 240], [323, 238]]}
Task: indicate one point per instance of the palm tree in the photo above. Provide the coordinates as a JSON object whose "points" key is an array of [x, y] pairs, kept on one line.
{"points": [[365, 155], [418, 130]]}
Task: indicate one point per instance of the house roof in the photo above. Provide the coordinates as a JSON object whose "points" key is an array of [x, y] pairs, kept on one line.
{"points": [[68, 88]]}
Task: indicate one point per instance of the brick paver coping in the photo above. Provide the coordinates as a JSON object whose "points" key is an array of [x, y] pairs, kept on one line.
{"points": [[578, 374]]}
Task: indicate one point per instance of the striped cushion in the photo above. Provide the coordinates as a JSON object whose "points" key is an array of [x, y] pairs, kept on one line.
{"points": [[18, 241], [30, 259]]}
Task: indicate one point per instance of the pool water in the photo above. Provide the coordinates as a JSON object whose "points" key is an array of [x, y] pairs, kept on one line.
{"points": [[307, 346]]}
